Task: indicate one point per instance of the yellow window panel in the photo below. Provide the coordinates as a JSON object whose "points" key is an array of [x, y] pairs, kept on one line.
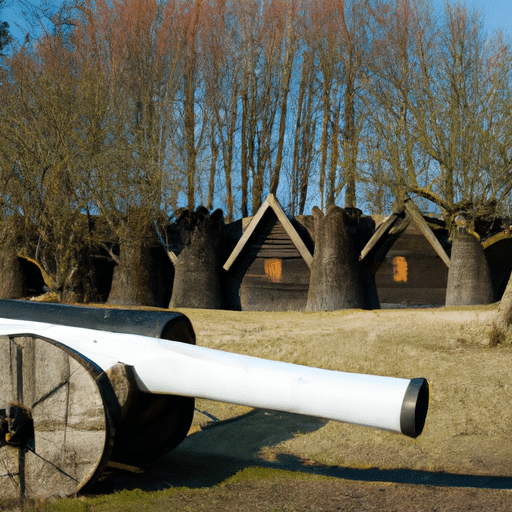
{"points": [[399, 269], [274, 269]]}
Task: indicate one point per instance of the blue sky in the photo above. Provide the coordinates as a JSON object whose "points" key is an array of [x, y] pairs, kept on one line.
{"points": [[497, 14]]}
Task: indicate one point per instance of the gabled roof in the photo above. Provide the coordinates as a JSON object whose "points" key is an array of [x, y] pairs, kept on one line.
{"points": [[272, 203], [418, 219]]}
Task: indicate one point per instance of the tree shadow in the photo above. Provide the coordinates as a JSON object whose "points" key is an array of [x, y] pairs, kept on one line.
{"points": [[217, 452]]}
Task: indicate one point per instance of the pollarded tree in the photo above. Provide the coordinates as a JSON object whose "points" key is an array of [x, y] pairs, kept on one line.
{"points": [[135, 50], [336, 280], [198, 264], [469, 278]]}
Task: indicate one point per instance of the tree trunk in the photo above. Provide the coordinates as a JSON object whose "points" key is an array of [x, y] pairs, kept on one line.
{"points": [[469, 279], [131, 282], [335, 275], [12, 284], [197, 271]]}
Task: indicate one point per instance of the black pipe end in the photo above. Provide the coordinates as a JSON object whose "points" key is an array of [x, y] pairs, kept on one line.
{"points": [[414, 408]]}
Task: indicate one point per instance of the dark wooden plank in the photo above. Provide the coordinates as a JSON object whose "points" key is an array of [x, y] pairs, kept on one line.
{"points": [[281, 255]]}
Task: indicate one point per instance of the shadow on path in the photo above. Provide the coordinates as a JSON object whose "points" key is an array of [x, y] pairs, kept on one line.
{"points": [[216, 453]]}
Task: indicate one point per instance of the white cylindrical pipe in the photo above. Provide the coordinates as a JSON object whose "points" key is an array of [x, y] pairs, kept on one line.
{"points": [[170, 367]]}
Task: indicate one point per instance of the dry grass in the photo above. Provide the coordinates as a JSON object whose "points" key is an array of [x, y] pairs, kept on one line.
{"points": [[470, 418], [466, 441]]}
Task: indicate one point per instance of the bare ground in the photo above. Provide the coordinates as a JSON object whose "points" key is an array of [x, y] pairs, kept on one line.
{"points": [[236, 458]]}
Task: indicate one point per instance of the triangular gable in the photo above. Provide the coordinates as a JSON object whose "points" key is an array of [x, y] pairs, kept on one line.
{"points": [[270, 202], [418, 219]]}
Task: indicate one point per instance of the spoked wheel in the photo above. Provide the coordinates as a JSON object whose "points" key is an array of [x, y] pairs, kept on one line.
{"points": [[56, 426]]}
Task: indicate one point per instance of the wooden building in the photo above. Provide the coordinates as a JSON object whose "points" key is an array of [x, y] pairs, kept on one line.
{"points": [[412, 272], [270, 264], [272, 261], [409, 255], [498, 251]]}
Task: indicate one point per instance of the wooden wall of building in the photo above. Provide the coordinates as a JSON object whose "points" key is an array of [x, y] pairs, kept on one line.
{"points": [[412, 273], [277, 278]]}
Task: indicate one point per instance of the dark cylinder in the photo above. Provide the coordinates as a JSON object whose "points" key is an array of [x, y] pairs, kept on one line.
{"points": [[414, 408], [167, 325]]}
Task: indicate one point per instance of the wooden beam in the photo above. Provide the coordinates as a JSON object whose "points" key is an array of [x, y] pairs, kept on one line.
{"points": [[247, 234], [381, 231], [172, 257], [290, 230], [270, 202], [423, 226]]}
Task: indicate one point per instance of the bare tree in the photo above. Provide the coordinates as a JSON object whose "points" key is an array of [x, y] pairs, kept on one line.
{"points": [[42, 161], [459, 101], [394, 151], [136, 51], [305, 134], [221, 72]]}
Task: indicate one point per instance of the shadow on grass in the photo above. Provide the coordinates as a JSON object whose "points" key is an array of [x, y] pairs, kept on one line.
{"points": [[216, 453]]}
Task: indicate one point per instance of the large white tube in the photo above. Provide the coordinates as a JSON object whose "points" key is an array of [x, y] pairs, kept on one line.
{"points": [[169, 367]]}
